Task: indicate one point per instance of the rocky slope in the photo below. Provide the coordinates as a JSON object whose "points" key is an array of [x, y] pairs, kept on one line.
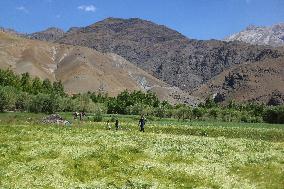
{"points": [[50, 34], [165, 53], [81, 69], [261, 81], [273, 35]]}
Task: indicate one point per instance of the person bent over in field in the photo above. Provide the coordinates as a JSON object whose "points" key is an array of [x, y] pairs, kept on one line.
{"points": [[142, 123]]}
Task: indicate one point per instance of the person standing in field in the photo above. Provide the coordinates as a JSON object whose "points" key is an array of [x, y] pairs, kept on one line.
{"points": [[108, 125], [116, 124], [142, 123]]}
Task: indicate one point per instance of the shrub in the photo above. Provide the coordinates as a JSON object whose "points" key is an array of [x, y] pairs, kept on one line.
{"points": [[198, 113], [98, 117], [213, 113], [274, 115], [23, 101], [44, 103], [8, 98]]}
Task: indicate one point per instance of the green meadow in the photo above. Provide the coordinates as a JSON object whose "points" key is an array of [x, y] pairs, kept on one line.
{"points": [[170, 154]]}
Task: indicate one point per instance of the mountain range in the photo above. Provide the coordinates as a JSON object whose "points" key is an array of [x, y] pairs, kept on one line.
{"points": [[169, 62]]}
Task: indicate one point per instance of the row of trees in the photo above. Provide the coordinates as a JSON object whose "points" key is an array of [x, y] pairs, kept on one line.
{"points": [[26, 83], [24, 93]]}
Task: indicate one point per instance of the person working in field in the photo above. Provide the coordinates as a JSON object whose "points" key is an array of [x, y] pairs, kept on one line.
{"points": [[116, 124], [108, 127], [142, 123]]}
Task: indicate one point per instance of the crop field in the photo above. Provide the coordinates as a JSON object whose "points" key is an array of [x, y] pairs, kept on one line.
{"points": [[170, 154]]}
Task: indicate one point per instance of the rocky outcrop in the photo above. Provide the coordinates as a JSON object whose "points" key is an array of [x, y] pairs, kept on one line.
{"points": [[50, 34], [277, 98]]}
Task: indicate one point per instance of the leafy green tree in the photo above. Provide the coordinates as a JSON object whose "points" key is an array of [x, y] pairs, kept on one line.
{"points": [[8, 96], [46, 87], [274, 115], [23, 101], [98, 97], [83, 102], [25, 82], [8, 78], [214, 112], [183, 112], [58, 88], [209, 103], [36, 86], [46, 103], [151, 99], [160, 112], [197, 113], [112, 106]]}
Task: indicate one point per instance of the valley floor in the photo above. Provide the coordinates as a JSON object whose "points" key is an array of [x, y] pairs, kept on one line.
{"points": [[169, 154]]}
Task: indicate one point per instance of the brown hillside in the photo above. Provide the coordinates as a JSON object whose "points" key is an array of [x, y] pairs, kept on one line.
{"points": [[81, 69]]}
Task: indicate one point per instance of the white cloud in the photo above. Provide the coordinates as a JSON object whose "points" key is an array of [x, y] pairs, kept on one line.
{"points": [[87, 8], [22, 9]]}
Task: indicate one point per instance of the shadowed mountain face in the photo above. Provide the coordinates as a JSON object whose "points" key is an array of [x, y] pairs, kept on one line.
{"points": [[165, 53], [273, 36], [82, 69]]}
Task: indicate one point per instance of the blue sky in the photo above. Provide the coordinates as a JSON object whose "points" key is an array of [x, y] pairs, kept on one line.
{"points": [[199, 19]]}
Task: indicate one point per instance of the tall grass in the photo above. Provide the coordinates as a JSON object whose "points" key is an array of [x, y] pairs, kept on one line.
{"points": [[168, 155]]}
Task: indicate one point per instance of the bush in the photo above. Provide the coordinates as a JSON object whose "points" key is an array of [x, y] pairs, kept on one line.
{"points": [[274, 115], [198, 112], [8, 98], [23, 101], [44, 103], [67, 104], [213, 113], [98, 117]]}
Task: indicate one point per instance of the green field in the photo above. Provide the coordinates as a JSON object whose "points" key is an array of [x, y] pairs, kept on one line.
{"points": [[170, 154]]}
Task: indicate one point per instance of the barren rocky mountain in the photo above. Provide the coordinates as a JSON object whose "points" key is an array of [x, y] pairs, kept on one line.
{"points": [[50, 34], [273, 35], [261, 81], [81, 69], [165, 53]]}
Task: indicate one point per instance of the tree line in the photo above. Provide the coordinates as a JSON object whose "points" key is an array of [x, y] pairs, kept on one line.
{"points": [[26, 93]]}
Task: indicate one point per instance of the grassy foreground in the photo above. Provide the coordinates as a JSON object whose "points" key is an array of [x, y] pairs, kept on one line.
{"points": [[170, 154]]}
